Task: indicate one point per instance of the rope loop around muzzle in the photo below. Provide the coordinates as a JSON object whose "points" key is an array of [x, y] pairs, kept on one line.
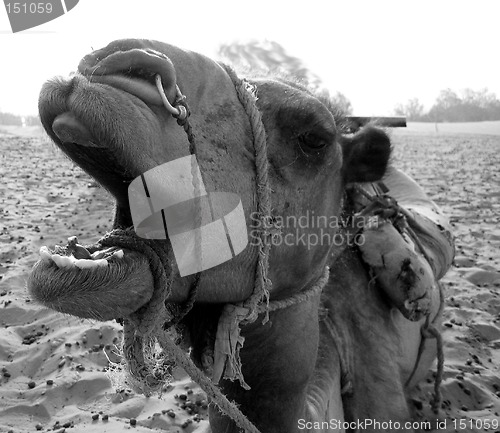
{"points": [[147, 318], [143, 330]]}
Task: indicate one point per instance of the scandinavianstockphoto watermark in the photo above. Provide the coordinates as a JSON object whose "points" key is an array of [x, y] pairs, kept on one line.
{"points": [[207, 229], [310, 230]]}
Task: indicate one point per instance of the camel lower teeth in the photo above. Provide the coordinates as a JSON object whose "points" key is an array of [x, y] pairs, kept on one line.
{"points": [[45, 254], [68, 262], [63, 261], [105, 254], [118, 254], [88, 264]]}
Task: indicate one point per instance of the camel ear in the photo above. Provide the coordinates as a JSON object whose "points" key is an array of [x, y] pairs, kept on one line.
{"points": [[366, 155]]}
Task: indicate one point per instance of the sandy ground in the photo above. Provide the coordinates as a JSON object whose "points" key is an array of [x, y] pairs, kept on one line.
{"points": [[52, 366], [460, 172], [486, 127]]}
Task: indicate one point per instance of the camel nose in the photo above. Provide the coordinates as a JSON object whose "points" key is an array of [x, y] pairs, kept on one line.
{"points": [[70, 130]]}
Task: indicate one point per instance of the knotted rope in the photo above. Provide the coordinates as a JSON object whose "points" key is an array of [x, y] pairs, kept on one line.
{"points": [[229, 341], [142, 328], [248, 98], [150, 324], [147, 369], [428, 331]]}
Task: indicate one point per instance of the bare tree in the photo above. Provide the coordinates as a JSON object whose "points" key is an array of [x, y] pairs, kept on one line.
{"points": [[412, 110], [271, 57], [268, 56], [470, 106], [342, 103]]}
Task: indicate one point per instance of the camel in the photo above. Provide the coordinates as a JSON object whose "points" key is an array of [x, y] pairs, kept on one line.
{"points": [[342, 355]]}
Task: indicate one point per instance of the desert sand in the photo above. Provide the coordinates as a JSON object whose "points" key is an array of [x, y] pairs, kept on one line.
{"points": [[53, 366]]}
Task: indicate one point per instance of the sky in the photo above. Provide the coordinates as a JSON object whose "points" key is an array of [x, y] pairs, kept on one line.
{"points": [[378, 53]]}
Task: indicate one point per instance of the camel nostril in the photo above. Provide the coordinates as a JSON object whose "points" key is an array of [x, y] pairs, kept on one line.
{"points": [[70, 130]]}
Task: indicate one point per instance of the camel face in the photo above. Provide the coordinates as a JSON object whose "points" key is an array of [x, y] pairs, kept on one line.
{"points": [[329, 357], [110, 120]]}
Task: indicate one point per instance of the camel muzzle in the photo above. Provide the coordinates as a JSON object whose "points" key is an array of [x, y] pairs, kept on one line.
{"points": [[70, 130]]}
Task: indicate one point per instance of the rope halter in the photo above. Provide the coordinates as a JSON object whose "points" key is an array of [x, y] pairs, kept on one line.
{"points": [[151, 324]]}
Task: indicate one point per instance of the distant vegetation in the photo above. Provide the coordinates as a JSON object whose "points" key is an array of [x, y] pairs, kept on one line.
{"points": [[13, 119], [468, 106], [270, 57]]}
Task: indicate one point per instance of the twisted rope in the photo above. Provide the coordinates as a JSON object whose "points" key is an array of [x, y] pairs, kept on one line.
{"points": [[147, 317], [139, 328], [229, 342], [142, 327], [246, 95], [313, 291], [180, 110], [428, 331], [227, 407]]}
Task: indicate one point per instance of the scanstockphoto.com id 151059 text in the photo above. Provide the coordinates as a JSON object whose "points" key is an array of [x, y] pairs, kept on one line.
{"points": [[463, 424]]}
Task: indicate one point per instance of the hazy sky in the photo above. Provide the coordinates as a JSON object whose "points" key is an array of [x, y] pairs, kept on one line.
{"points": [[378, 53]]}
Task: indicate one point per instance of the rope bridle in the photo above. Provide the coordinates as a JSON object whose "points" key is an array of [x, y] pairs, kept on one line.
{"points": [[153, 323]]}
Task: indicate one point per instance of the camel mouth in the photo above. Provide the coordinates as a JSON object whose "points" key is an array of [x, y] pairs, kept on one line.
{"points": [[95, 282], [69, 120], [70, 128], [140, 85], [92, 120], [85, 117]]}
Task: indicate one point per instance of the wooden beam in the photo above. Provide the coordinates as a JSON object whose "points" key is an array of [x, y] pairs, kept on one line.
{"points": [[356, 122]]}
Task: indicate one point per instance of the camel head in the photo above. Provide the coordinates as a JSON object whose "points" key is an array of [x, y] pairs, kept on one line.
{"points": [[109, 118]]}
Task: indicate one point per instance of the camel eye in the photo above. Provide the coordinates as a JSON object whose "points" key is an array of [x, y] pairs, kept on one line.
{"points": [[311, 141]]}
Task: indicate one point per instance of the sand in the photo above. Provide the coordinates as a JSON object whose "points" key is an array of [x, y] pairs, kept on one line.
{"points": [[491, 127], [52, 366], [460, 172]]}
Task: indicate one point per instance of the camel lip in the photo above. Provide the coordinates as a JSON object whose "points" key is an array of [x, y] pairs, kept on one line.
{"points": [[138, 86], [98, 292], [79, 128]]}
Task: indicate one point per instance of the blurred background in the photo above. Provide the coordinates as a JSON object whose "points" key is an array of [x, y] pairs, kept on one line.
{"points": [[435, 62], [427, 60]]}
